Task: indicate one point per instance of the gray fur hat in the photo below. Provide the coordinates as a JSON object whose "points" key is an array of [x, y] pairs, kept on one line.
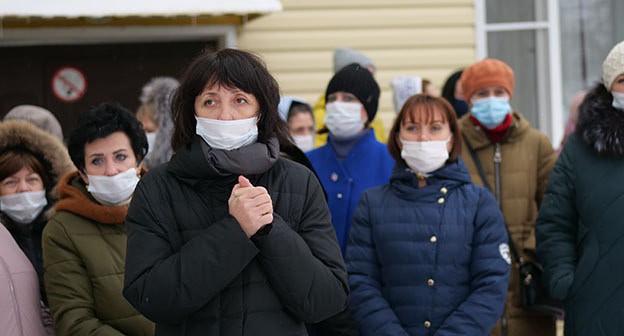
{"points": [[346, 56], [159, 92], [39, 116]]}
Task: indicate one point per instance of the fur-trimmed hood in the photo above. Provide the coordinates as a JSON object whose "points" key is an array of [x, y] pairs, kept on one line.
{"points": [[600, 125], [158, 92], [46, 147]]}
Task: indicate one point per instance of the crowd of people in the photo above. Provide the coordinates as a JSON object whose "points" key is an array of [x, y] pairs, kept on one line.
{"points": [[221, 207]]}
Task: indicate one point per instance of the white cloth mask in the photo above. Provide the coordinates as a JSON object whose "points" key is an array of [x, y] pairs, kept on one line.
{"points": [[304, 142], [618, 100], [23, 207], [151, 140], [343, 119], [227, 134], [113, 190], [425, 156]]}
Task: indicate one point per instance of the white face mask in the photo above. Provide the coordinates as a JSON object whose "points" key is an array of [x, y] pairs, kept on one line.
{"points": [[618, 100], [151, 140], [344, 119], [425, 156], [304, 142], [23, 207], [227, 134], [113, 190]]}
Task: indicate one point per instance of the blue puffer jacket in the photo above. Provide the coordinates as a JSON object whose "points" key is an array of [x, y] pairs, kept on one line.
{"points": [[428, 261]]}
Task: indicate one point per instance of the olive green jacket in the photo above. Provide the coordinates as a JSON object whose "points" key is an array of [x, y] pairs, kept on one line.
{"points": [[84, 250], [527, 159]]}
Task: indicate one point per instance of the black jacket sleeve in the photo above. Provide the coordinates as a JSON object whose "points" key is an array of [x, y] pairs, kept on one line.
{"points": [[167, 285], [305, 267]]}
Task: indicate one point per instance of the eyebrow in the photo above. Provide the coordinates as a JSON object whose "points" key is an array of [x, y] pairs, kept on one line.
{"points": [[102, 154]]}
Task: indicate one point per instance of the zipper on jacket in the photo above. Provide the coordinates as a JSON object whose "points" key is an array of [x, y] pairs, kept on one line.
{"points": [[13, 295], [498, 158]]}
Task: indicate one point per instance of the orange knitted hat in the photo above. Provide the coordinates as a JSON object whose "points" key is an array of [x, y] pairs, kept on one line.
{"points": [[488, 72]]}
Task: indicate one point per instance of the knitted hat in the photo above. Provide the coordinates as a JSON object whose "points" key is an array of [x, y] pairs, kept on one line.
{"points": [[360, 82], [404, 87], [613, 65], [346, 56], [488, 72], [39, 116]]}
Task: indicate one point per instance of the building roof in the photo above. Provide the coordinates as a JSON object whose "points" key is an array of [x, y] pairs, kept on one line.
{"points": [[134, 8]]}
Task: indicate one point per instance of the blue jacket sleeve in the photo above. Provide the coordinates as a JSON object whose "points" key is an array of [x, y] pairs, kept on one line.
{"points": [[556, 228], [489, 273], [370, 309]]}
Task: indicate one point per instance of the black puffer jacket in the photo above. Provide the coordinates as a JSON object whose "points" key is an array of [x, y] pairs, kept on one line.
{"points": [[192, 270]]}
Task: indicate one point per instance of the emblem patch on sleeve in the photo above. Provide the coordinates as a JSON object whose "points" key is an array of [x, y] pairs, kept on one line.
{"points": [[504, 251]]}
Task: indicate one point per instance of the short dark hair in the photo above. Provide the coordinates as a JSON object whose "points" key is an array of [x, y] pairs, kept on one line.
{"points": [[100, 122], [427, 104], [231, 68]]}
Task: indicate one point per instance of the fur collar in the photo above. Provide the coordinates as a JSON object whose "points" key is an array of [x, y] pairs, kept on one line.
{"points": [[46, 147], [600, 125], [75, 198]]}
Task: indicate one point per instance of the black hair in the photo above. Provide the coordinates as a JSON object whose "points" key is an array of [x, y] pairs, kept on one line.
{"points": [[230, 68], [100, 122]]}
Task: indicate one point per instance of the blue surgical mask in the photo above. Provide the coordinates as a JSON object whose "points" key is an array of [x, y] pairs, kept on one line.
{"points": [[618, 100], [491, 111]]}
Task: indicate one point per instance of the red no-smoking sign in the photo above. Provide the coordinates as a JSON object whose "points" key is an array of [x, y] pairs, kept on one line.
{"points": [[69, 84]]}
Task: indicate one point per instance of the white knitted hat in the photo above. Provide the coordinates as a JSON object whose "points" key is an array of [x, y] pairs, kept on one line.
{"points": [[613, 65]]}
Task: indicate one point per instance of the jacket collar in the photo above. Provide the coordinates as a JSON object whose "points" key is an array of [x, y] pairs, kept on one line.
{"points": [[451, 175], [75, 198], [478, 138], [600, 125]]}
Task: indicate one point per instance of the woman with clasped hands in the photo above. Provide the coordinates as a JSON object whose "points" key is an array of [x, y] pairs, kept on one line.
{"points": [[228, 238]]}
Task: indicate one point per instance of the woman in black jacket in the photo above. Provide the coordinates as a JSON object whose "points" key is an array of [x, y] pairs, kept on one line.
{"points": [[228, 238]]}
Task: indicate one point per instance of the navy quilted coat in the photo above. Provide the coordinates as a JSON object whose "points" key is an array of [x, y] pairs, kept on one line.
{"points": [[429, 260]]}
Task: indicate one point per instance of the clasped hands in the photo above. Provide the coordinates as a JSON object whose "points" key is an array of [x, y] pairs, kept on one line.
{"points": [[250, 206]]}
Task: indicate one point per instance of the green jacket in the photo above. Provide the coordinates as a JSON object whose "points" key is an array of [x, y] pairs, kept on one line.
{"points": [[84, 249], [580, 230]]}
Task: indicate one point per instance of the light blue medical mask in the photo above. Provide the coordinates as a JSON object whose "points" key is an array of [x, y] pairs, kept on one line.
{"points": [[491, 111], [618, 100]]}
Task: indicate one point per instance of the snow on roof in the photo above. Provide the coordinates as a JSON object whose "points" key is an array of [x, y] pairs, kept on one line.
{"points": [[124, 8]]}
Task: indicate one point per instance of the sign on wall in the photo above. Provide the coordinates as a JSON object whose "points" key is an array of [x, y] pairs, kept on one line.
{"points": [[69, 84]]}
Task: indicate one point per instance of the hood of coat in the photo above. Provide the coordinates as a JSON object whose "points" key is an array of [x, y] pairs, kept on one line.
{"points": [[451, 175], [477, 137], [74, 198], [600, 124], [46, 147], [159, 92]]}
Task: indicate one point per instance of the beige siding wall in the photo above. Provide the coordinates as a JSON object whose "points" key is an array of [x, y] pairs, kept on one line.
{"points": [[427, 38]]}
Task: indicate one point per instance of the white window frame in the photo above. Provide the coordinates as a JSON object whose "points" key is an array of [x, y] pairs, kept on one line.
{"points": [[550, 117]]}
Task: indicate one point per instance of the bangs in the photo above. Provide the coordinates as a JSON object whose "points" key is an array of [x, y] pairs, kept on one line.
{"points": [[425, 113]]}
